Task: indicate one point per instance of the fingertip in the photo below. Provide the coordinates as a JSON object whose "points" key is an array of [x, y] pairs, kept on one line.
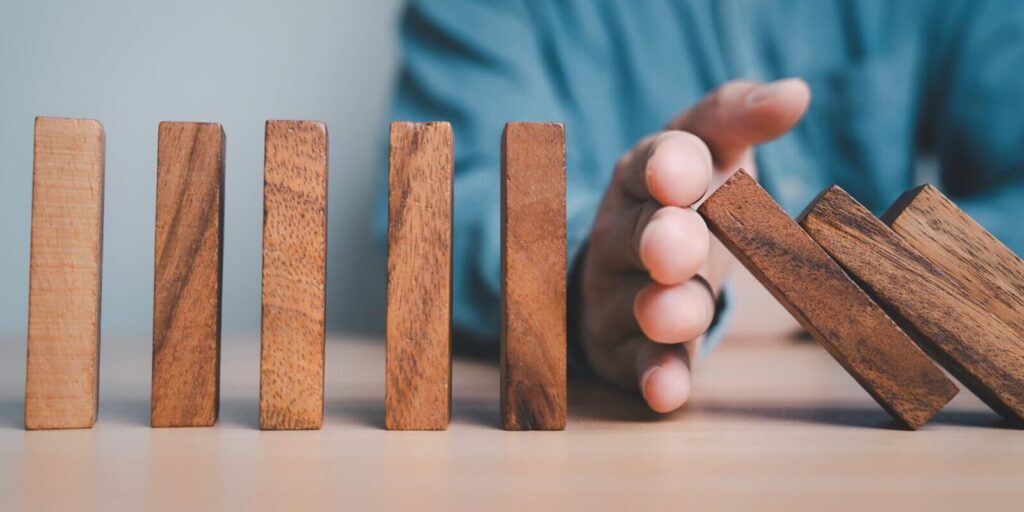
{"points": [[665, 385], [795, 99], [679, 169], [674, 245], [777, 106]]}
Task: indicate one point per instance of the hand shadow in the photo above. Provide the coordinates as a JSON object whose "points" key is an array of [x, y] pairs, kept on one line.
{"points": [[591, 399]]}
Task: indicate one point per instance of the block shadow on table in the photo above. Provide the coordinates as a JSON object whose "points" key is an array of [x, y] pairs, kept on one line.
{"points": [[234, 413], [365, 413], [849, 416], [370, 413], [588, 401]]}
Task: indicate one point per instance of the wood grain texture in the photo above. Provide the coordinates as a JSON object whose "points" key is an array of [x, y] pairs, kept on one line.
{"points": [[62, 373], [816, 291], [963, 250], [978, 349], [188, 265], [419, 293], [533, 274], [294, 273]]}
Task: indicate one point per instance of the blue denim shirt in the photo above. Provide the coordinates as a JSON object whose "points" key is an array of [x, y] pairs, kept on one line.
{"points": [[894, 83]]}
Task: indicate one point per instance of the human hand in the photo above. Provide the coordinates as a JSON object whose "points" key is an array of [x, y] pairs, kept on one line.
{"points": [[652, 270]]}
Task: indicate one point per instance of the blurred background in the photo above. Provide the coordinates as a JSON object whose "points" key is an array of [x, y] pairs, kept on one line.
{"points": [[133, 64]]}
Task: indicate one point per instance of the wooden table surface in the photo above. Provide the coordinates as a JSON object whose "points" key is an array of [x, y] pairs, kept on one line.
{"points": [[775, 424]]}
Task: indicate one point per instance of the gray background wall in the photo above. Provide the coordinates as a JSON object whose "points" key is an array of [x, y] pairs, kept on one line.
{"points": [[131, 64]]}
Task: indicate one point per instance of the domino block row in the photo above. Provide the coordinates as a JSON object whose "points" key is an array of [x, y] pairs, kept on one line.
{"points": [[867, 289], [873, 292], [64, 297]]}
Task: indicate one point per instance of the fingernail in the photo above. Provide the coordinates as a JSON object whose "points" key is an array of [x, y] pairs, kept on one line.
{"points": [[767, 91], [645, 377]]}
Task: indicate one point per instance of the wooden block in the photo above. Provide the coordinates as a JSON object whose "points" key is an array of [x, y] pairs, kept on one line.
{"points": [[816, 291], [294, 272], [978, 349], [419, 293], [62, 375], [533, 274], [187, 275], [963, 250]]}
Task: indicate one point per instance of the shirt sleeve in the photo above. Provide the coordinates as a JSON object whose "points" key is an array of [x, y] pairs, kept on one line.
{"points": [[974, 113], [479, 65]]}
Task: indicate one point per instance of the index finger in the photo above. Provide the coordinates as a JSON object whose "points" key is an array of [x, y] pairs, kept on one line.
{"points": [[672, 168]]}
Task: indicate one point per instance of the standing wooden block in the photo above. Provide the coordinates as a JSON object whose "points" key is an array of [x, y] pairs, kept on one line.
{"points": [[963, 250], [62, 376], [187, 275], [294, 272], [419, 292], [978, 349], [816, 291], [533, 274]]}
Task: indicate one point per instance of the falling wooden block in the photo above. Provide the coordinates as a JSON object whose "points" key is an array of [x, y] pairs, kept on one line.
{"points": [[62, 375], [533, 274], [978, 349], [187, 275], [419, 293], [816, 291], [294, 271], [963, 250]]}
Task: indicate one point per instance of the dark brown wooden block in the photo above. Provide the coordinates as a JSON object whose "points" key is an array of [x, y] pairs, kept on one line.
{"points": [[418, 370], [533, 273], [963, 250], [294, 272], [62, 374], [187, 275], [816, 291], [978, 349]]}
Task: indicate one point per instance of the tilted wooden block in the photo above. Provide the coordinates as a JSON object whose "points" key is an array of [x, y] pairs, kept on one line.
{"points": [[294, 271], [62, 375], [187, 275], [978, 349], [816, 291], [963, 250], [418, 382], [533, 274]]}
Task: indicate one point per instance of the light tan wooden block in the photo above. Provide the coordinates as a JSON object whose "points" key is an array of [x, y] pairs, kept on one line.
{"points": [[963, 250], [188, 275], [418, 370], [533, 274], [294, 273], [62, 376]]}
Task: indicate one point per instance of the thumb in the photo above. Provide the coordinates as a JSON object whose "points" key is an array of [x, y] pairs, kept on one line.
{"points": [[741, 114]]}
